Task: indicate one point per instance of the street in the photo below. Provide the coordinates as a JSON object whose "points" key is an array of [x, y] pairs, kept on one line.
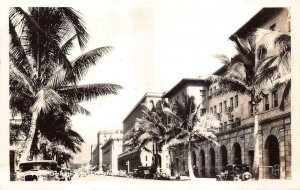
{"points": [[112, 182]]}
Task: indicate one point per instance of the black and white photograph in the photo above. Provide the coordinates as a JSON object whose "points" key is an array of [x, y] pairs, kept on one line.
{"points": [[149, 95]]}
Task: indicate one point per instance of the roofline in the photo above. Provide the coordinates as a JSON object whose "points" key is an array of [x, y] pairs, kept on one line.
{"points": [[109, 140], [222, 68], [39, 161], [147, 94], [259, 19], [109, 131], [184, 80]]}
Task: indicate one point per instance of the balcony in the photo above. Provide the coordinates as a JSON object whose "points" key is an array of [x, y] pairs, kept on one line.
{"points": [[230, 126]]}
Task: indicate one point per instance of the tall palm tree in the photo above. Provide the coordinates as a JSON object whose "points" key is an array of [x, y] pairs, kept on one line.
{"points": [[193, 127], [252, 71], [41, 76], [155, 126], [275, 67]]}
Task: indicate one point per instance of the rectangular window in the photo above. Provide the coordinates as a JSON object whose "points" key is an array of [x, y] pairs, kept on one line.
{"points": [[237, 122], [215, 109], [266, 103], [231, 102], [211, 110], [220, 107], [225, 126], [275, 98], [210, 91], [236, 101], [225, 106], [203, 94], [250, 108], [203, 111]]}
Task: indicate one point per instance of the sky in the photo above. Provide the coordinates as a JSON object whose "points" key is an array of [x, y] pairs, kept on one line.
{"points": [[156, 44]]}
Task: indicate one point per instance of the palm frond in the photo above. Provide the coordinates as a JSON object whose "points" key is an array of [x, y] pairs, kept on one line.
{"points": [[68, 45], [176, 141], [285, 95], [78, 25], [85, 61], [22, 79], [242, 45], [222, 58], [47, 99], [17, 51], [76, 108], [88, 92]]}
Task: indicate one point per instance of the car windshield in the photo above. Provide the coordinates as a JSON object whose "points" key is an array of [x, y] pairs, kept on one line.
{"points": [[37, 166]]}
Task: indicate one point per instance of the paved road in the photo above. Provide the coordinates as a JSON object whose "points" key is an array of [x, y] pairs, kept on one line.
{"points": [[111, 182]]}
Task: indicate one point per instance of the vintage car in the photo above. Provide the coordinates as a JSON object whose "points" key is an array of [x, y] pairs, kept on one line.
{"points": [[146, 172], [41, 170], [64, 174], [161, 174], [235, 172]]}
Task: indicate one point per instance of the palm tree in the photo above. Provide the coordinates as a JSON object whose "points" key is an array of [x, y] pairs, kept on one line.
{"points": [[253, 72], [41, 76], [155, 126], [193, 127], [56, 128], [275, 67]]}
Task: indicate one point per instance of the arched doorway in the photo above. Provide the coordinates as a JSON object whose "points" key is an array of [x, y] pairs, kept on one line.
{"points": [[202, 156], [237, 156], [224, 161], [194, 164], [194, 159], [272, 157], [212, 170], [156, 160]]}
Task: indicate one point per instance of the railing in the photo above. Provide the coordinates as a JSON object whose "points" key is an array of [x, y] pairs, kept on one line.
{"points": [[270, 172]]}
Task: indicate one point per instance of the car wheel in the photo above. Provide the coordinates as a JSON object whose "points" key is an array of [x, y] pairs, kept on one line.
{"points": [[246, 176]]}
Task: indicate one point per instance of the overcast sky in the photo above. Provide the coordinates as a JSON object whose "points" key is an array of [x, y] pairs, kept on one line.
{"points": [[155, 45]]}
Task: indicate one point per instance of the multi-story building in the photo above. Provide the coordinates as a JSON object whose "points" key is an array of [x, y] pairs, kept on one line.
{"points": [[186, 87], [131, 159], [236, 115], [110, 151], [96, 152]]}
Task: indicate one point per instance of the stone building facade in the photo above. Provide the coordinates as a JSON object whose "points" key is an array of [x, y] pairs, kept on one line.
{"points": [[236, 135], [103, 136], [110, 151], [131, 159]]}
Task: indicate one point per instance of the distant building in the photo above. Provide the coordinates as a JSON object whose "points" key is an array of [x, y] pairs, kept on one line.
{"points": [[131, 159], [96, 152], [110, 151]]}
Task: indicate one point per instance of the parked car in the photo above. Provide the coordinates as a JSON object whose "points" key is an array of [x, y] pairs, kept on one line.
{"points": [[99, 172], [146, 172], [41, 170], [65, 174], [161, 174], [235, 172]]}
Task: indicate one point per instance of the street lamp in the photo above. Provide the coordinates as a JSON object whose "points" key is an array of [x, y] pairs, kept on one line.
{"points": [[127, 164]]}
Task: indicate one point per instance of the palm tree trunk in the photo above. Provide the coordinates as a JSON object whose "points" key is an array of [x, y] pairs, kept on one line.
{"points": [[255, 166], [28, 142], [191, 172]]}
